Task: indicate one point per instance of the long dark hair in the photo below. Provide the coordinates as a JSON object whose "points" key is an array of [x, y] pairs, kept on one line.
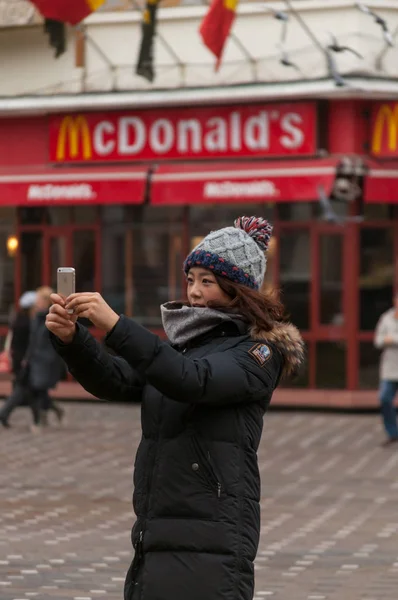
{"points": [[260, 309]]}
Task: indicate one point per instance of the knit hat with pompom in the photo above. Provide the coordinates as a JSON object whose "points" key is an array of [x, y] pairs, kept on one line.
{"points": [[236, 253]]}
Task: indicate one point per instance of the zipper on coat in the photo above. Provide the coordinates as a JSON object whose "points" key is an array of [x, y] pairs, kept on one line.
{"points": [[206, 464], [139, 554]]}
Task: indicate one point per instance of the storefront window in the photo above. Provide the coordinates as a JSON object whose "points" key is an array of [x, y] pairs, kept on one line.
{"points": [[295, 275], [84, 259], [115, 279], [369, 359], [331, 279], [6, 278], [142, 258], [58, 215], [83, 215], [31, 215], [331, 365], [376, 274], [296, 211], [31, 248], [378, 211]]}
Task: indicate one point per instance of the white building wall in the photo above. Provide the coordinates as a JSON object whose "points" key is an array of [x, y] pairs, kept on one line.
{"points": [[29, 66]]}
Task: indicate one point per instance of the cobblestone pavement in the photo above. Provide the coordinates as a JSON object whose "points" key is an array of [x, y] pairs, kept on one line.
{"points": [[329, 508]]}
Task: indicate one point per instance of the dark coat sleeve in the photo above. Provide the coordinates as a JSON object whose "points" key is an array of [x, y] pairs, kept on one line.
{"points": [[231, 376], [105, 376]]}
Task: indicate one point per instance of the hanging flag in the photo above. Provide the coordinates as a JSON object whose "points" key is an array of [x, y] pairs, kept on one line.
{"points": [[216, 26], [67, 11], [148, 31]]}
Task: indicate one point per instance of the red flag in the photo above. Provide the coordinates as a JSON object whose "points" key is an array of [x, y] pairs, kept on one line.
{"points": [[67, 11], [216, 26]]}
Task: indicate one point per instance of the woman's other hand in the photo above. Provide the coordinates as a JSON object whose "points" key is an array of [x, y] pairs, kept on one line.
{"points": [[92, 306], [59, 321]]}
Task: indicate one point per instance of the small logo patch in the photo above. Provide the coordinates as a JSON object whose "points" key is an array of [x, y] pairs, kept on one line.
{"points": [[261, 353]]}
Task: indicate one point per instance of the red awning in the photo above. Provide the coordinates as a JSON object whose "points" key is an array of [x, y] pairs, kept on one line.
{"points": [[287, 181], [381, 183], [58, 186]]}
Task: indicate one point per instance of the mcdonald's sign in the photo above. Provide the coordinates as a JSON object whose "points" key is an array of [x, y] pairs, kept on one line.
{"points": [[74, 139], [187, 133], [384, 130]]}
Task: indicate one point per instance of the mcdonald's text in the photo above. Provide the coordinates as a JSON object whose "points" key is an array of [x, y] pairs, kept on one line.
{"points": [[191, 133]]}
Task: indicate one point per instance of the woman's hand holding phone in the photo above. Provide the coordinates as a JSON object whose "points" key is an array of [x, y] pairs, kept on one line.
{"points": [[61, 323], [92, 306]]}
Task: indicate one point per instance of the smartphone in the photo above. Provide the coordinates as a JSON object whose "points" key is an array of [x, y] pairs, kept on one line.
{"points": [[66, 282]]}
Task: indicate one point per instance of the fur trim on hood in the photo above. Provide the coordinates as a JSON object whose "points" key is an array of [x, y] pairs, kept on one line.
{"points": [[287, 339]]}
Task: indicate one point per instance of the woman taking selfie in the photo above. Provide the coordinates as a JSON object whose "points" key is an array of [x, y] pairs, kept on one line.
{"points": [[204, 394]]}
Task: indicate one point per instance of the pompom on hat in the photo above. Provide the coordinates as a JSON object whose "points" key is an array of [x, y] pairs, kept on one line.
{"points": [[236, 253]]}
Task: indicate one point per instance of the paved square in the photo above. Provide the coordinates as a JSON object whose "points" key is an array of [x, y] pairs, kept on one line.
{"points": [[329, 507]]}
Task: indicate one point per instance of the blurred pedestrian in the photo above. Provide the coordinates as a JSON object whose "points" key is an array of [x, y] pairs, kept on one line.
{"points": [[204, 395], [41, 368], [20, 332], [386, 338]]}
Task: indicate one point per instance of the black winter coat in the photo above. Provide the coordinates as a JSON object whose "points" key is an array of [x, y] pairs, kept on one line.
{"points": [[44, 366], [196, 479]]}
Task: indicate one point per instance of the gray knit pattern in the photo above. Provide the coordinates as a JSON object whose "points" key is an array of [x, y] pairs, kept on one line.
{"points": [[183, 323], [239, 249]]}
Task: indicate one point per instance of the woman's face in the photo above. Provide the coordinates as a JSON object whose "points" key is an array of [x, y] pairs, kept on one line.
{"points": [[203, 289]]}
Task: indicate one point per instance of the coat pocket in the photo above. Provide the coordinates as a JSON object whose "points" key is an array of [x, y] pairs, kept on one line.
{"points": [[204, 466]]}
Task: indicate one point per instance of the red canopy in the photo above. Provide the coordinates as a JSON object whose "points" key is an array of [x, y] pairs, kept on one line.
{"points": [[381, 183], [284, 181], [53, 186]]}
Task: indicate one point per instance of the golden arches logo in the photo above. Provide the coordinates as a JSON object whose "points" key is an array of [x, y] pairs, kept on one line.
{"points": [[386, 120], [72, 130]]}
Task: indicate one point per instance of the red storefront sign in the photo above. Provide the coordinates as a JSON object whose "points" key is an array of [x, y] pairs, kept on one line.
{"points": [[293, 181], [190, 133], [73, 187], [384, 129]]}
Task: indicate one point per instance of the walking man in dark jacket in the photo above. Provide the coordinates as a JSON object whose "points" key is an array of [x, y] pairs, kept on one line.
{"points": [[41, 369]]}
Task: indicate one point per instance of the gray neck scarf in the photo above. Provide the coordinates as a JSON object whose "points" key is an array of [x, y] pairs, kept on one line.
{"points": [[184, 323]]}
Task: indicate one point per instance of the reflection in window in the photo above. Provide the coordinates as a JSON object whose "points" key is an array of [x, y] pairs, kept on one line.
{"points": [[142, 258], [295, 275], [31, 248], [295, 211], [84, 259], [331, 365], [376, 275], [369, 358], [331, 279], [114, 284], [86, 215]]}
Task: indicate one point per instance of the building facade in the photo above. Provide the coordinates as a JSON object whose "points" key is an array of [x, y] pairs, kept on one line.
{"points": [[120, 178], [123, 196]]}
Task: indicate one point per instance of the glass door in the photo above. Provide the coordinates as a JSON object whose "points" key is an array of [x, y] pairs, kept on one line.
{"points": [[57, 253], [329, 318]]}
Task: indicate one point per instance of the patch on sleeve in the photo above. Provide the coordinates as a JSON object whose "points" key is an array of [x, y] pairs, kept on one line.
{"points": [[261, 353]]}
